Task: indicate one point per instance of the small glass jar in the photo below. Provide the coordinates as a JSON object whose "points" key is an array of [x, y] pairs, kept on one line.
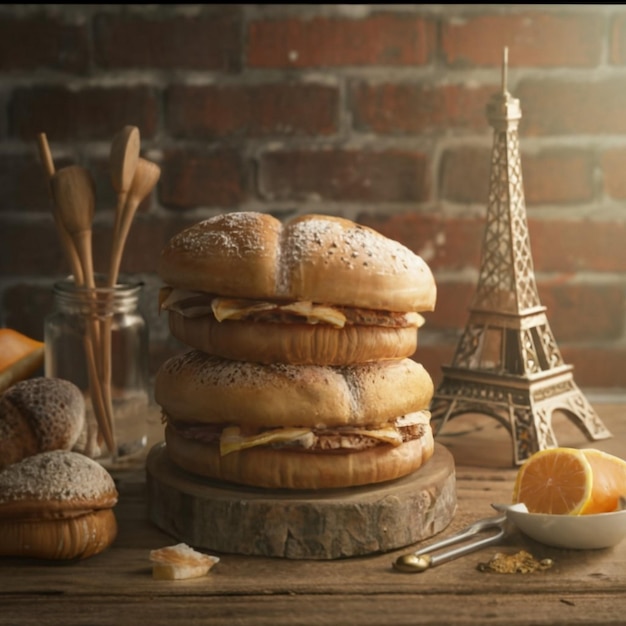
{"points": [[98, 339]]}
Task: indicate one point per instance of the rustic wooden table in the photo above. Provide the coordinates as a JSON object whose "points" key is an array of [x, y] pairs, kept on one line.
{"points": [[116, 587]]}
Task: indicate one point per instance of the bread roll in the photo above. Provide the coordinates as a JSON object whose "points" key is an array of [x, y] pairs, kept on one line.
{"points": [[56, 505], [291, 469], [196, 387], [314, 257], [39, 414], [296, 344]]}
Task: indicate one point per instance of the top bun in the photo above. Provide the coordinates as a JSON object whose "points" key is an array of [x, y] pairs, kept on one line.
{"points": [[54, 484], [314, 257]]}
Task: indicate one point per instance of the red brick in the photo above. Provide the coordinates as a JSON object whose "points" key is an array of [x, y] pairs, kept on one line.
{"points": [[583, 311], [558, 176], [597, 367], [464, 175], [189, 180], [613, 161], [534, 39], [455, 243], [570, 246], [398, 108], [89, 113], [30, 247], [390, 39], [452, 310], [445, 244], [433, 357], [571, 107], [23, 184], [209, 42], [593, 367], [146, 239], [252, 110], [25, 307], [391, 175], [40, 42], [576, 312], [617, 40]]}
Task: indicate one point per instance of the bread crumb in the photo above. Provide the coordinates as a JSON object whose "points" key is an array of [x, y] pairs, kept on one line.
{"points": [[180, 562]]}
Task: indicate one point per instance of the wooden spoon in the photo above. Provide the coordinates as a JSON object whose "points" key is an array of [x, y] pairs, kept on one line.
{"points": [[122, 163], [74, 193], [66, 241], [146, 177], [123, 159]]}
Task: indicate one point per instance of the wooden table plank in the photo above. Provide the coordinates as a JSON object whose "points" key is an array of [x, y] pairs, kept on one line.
{"points": [[375, 609], [583, 587]]}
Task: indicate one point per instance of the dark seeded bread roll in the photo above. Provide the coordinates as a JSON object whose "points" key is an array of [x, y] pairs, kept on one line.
{"points": [[37, 415]]}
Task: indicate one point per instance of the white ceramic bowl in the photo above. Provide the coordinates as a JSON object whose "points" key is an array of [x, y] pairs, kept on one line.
{"points": [[579, 532]]}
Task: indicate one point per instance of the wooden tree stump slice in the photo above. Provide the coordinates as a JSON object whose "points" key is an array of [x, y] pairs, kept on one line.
{"points": [[301, 525]]}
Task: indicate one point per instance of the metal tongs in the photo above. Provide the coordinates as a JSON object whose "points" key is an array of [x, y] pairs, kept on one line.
{"points": [[423, 559]]}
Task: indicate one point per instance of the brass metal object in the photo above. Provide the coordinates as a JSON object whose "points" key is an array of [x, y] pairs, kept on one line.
{"points": [[507, 364], [473, 537]]}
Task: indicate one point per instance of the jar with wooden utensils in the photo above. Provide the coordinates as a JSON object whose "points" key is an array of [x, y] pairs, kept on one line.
{"points": [[97, 338]]}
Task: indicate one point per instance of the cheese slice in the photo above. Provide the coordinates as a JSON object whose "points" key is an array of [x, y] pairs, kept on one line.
{"points": [[232, 440], [387, 434], [195, 304], [192, 304], [236, 309], [316, 313]]}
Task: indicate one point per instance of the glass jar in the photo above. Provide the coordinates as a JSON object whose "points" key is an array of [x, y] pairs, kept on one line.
{"points": [[97, 339]]}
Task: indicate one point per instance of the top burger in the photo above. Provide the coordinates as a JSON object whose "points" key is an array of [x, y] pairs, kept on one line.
{"points": [[313, 290]]}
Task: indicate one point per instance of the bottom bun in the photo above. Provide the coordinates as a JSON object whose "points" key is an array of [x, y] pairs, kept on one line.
{"points": [[288, 469], [76, 537], [298, 344]]}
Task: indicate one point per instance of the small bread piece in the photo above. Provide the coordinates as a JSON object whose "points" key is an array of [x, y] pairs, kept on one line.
{"points": [[56, 505], [180, 562], [38, 415]]}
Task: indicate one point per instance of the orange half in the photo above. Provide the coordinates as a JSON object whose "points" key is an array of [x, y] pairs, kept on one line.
{"points": [[20, 357], [556, 481], [609, 481]]}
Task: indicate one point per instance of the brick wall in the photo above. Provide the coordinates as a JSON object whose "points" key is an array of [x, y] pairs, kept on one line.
{"points": [[372, 112]]}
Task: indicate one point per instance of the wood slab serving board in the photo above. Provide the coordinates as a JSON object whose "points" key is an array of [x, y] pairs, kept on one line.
{"points": [[329, 524]]}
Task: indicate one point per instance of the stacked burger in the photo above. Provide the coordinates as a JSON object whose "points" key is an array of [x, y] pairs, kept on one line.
{"points": [[299, 372]]}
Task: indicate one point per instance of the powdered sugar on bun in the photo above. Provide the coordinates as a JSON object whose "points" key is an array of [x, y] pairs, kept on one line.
{"points": [[37, 415], [313, 257], [55, 483], [197, 387]]}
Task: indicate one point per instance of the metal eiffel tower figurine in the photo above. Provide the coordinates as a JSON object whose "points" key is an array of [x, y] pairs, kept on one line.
{"points": [[507, 364]]}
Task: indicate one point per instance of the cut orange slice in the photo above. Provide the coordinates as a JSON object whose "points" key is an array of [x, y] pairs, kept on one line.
{"points": [[20, 357], [569, 481], [556, 480], [609, 481]]}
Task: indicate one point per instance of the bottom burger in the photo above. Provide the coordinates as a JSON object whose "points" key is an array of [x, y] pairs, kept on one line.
{"points": [[295, 427]]}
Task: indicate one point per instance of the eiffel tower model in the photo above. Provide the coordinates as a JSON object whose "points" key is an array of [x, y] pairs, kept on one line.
{"points": [[507, 364]]}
